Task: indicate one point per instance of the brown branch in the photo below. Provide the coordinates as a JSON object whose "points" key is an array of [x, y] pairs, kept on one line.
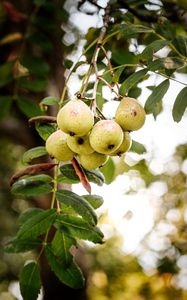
{"points": [[42, 119]]}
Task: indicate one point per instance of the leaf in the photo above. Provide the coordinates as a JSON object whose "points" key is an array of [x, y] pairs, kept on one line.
{"points": [[71, 276], [94, 176], [180, 104], [36, 65], [30, 282], [68, 171], [79, 228], [29, 187], [80, 206], [123, 56], [18, 245], [156, 96], [61, 245], [94, 200], [5, 104], [36, 152], [28, 213], [137, 147], [37, 224], [6, 73], [131, 81], [155, 46], [35, 85], [131, 30], [49, 101], [28, 107], [108, 171], [168, 63], [45, 130], [117, 74], [180, 43]]}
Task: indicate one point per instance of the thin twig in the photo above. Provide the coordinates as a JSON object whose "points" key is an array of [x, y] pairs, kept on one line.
{"points": [[108, 84]]}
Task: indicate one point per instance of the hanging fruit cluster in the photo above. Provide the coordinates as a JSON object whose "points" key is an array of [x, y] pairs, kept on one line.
{"points": [[92, 142]]}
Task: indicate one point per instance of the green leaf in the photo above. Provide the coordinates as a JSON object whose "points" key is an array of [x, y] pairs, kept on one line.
{"points": [[94, 176], [131, 81], [32, 186], [137, 147], [94, 200], [30, 282], [6, 73], [19, 245], [71, 276], [36, 152], [131, 30], [45, 130], [68, 171], [155, 46], [27, 214], [37, 224], [180, 43], [156, 96], [117, 74], [80, 206], [28, 107], [36, 65], [180, 104], [78, 228], [5, 104], [49, 101], [61, 245], [108, 171], [123, 56], [168, 63], [35, 85]]}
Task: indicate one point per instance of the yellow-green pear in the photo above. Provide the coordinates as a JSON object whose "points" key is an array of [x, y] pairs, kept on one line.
{"points": [[106, 136], [80, 144], [125, 146], [92, 161], [130, 114], [75, 118], [56, 146]]}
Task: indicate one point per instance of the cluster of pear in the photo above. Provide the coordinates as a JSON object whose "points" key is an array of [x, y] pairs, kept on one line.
{"points": [[93, 142]]}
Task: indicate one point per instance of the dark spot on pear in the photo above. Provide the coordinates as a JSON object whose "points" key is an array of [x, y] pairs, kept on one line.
{"points": [[72, 133], [110, 147], [80, 141]]}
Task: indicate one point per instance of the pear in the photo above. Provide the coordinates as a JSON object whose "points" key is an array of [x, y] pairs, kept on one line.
{"points": [[130, 114], [56, 146], [80, 144], [125, 146], [75, 118], [92, 161], [106, 136]]}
